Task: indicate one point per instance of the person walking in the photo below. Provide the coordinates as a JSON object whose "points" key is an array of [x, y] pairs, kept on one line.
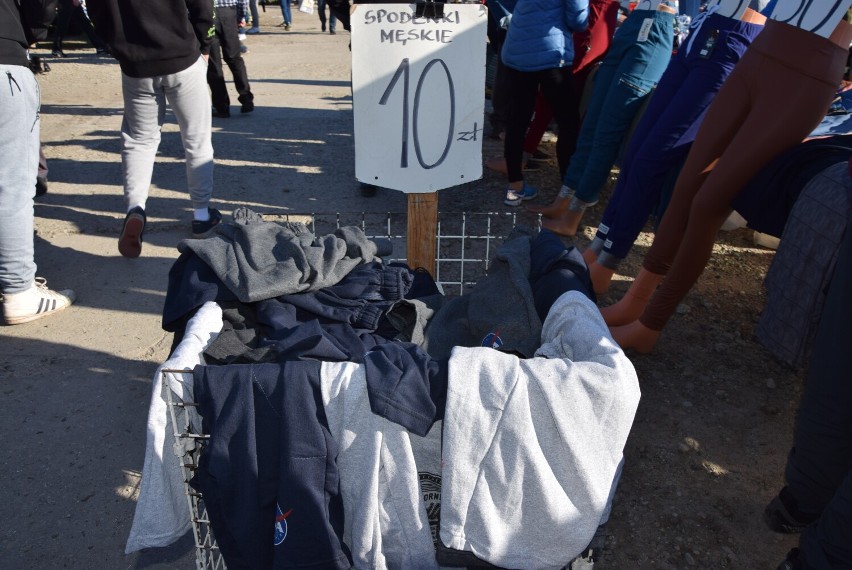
{"points": [[226, 45], [162, 47], [75, 10], [25, 297], [332, 19]]}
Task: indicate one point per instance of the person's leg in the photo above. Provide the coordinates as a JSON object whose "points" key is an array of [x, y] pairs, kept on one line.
{"points": [[19, 142], [559, 97], [216, 78], [321, 13], [822, 453], [144, 113], [25, 297], [89, 30], [332, 21], [255, 16], [523, 88], [230, 41], [60, 25], [285, 12], [186, 92]]}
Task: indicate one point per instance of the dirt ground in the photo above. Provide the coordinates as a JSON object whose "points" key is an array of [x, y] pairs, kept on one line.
{"points": [[712, 431]]}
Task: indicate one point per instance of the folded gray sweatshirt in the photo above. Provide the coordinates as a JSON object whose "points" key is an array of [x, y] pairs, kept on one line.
{"points": [[259, 260], [531, 447]]}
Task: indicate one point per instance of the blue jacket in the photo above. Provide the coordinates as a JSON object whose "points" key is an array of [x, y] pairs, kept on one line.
{"points": [[540, 33]]}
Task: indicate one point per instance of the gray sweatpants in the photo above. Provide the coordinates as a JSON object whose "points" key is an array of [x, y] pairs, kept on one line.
{"points": [[144, 112], [19, 142]]}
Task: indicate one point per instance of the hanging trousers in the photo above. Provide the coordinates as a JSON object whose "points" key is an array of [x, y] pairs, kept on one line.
{"points": [[819, 467], [665, 133], [778, 92], [632, 67]]}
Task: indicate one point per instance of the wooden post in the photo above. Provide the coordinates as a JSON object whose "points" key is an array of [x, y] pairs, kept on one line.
{"points": [[422, 230]]}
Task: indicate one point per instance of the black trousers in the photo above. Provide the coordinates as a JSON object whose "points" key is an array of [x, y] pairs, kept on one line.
{"points": [[227, 46], [523, 89], [67, 11]]}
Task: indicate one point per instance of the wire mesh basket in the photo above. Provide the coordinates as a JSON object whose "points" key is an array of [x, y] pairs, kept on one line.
{"points": [[465, 244]]}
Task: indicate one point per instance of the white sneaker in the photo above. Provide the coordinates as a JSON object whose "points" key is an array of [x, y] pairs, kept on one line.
{"points": [[36, 302]]}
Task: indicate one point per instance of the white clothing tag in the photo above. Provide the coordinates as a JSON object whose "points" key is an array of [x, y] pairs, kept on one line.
{"points": [[645, 30], [817, 16]]}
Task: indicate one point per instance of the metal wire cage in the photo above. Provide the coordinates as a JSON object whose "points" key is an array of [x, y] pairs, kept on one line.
{"points": [[465, 244]]}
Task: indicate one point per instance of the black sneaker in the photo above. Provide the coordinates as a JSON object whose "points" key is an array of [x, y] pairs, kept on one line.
{"points": [[792, 561], [247, 107], [200, 229], [41, 186], [781, 514], [223, 114], [130, 240], [58, 53]]}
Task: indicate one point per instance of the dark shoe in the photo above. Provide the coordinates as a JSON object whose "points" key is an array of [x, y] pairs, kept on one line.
{"points": [[58, 53], [792, 561], [368, 190], [332, 32], [247, 107], [323, 26], [102, 51], [130, 240], [41, 186], [781, 514], [200, 229], [224, 114]]}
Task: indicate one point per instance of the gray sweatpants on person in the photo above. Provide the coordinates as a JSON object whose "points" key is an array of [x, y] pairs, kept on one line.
{"points": [[144, 113], [19, 142]]}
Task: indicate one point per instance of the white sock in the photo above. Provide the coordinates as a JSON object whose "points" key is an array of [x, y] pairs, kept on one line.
{"points": [[202, 215]]}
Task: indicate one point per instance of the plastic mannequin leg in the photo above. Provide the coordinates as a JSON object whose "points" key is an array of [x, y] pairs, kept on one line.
{"points": [[565, 225], [635, 335], [554, 210], [631, 306], [601, 277]]}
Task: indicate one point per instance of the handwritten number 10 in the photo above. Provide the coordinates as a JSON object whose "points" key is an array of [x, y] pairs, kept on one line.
{"points": [[402, 70]]}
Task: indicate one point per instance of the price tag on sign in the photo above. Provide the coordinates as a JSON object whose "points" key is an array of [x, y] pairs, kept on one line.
{"points": [[418, 95]]}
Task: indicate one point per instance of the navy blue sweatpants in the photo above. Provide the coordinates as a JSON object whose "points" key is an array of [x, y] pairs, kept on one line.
{"points": [[665, 133]]}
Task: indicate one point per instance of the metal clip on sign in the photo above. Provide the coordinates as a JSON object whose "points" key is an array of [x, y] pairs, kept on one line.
{"points": [[429, 9]]}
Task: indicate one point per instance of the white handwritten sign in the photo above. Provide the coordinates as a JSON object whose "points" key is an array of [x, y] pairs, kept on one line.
{"points": [[418, 95]]}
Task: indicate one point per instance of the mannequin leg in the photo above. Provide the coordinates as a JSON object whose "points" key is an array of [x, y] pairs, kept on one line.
{"points": [[630, 307], [601, 277], [741, 134]]}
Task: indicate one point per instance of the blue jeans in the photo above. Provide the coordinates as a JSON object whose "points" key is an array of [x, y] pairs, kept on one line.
{"points": [[665, 133], [285, 11], [332, 19], [624, 79], [19, 146]]}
